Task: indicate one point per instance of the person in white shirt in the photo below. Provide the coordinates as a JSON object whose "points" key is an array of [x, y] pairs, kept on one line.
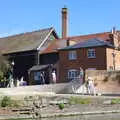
{"points": [[90, 86], [54, 76]]}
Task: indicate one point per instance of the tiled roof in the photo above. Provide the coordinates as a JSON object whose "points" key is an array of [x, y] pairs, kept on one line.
{"points": [[103, 36], [95, 42], [24, 42], [57, 44], [54, 46]]}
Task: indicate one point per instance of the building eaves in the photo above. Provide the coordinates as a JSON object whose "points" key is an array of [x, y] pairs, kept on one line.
{"points": [[24, 42], [89, 43]]}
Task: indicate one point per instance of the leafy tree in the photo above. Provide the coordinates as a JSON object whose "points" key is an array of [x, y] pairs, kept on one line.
{"points": [[4, 67], [4, 64]]}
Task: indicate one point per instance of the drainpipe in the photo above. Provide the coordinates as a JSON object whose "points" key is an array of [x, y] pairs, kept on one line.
{"points": [[113, 55]]}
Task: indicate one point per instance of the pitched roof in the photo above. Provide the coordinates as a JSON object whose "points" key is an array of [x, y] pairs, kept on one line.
{"points": [[103, 36], [24, 42], [95, 42], [54, 46], [57, 44]]}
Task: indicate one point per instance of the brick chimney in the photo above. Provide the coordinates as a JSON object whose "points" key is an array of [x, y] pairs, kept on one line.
{"points": [[64, 22]]}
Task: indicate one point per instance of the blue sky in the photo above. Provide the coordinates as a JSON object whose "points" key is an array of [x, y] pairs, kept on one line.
{"points": [[85, 16]]}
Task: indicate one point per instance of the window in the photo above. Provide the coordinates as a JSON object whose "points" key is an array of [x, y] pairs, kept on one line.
{"points": [[72, 55], [72, 74], [91, 53], [52, 37], [37, 76]]}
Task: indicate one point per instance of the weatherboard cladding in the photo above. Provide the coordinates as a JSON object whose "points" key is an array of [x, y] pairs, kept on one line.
{"points": [[23, 42], [89, 43]]}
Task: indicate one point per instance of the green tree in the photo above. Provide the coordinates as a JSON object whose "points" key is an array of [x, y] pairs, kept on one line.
{"points": [[4, 67], [4, 64]]}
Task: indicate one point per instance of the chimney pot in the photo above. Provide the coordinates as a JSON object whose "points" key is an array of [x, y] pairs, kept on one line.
{"points": [[113, 30]]}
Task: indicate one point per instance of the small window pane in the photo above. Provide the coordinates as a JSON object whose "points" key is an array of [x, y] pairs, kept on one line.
{"points": [[72, 55], [72, 74], [37, 76], [91, 53]]}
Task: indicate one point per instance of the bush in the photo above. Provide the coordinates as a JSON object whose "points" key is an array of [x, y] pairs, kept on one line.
{"points": [[61, 106], [6, 101]]}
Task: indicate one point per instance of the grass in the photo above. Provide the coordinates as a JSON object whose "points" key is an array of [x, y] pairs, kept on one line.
{"points": [[6, 101], [115, 101], [79, 100]]}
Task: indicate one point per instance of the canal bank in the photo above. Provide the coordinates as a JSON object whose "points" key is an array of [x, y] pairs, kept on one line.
{"points": [[88, 117], [47, 106]]}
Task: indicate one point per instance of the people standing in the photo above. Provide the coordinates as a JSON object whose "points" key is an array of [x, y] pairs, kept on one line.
{"points": [[22, 82], [90, 86], [10, 79], [42, 78], [18, 83], [81, 75], [54, 76]]}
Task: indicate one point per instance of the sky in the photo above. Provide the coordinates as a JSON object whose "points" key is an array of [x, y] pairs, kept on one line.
{"points": [[84, 16]]}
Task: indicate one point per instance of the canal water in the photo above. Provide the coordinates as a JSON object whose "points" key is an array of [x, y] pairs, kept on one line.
{"points": [[87, 117]]}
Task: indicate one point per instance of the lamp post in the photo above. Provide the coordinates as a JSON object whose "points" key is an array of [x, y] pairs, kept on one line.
{"points": [[12, 64], [12, 80], [113, 55]]}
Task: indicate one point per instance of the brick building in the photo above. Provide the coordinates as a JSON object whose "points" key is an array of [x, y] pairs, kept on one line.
{"points": [[90, 54], [94, 51]]}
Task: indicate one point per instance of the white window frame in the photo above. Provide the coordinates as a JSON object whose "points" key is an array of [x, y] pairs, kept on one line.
{"points": [[72, 74], [91, 53], [72, 55]]}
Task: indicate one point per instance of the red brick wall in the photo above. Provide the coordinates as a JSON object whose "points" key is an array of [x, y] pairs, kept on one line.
{"points": [[82, 61]]}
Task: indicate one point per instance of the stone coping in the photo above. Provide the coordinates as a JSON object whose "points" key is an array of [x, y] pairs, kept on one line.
{"points": [[78, 113], [15, 116]]}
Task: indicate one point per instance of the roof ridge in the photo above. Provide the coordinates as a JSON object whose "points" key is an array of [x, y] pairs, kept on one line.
{"points": [[84, 44], [88, 34], [39, 30]]}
